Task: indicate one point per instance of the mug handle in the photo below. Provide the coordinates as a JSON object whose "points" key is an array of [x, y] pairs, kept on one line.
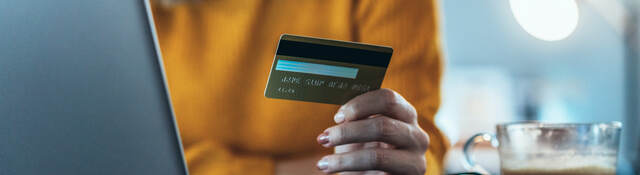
{"points": [[470, 144]]}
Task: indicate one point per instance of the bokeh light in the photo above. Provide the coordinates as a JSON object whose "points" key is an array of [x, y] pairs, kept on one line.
{"points": [[548, 20]]}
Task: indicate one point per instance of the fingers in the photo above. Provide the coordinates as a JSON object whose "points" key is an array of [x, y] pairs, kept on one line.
{"points": [[378, 129], [388, 160], [363, 173], [348, 147], [377, 145], [381, 101]]}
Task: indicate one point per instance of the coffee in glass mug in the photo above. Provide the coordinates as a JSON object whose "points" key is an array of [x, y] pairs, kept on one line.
{"points": [[528, 148]]}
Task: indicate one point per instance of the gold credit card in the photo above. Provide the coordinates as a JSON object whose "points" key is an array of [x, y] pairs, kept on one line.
{"points": [[325, 71]]}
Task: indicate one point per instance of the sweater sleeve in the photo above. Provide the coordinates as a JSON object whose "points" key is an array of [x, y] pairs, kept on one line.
{"points": [[204, 156], [411, 28], [208, 157]]}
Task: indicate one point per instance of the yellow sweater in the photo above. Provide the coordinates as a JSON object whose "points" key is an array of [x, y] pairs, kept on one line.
{"points": [[218, 54]]}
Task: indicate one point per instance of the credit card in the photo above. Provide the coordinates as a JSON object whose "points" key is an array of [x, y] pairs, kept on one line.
{"points": [[325, 71]]}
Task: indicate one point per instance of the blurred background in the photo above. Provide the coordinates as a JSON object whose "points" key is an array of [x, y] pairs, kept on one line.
{"points": [[555, 61]]}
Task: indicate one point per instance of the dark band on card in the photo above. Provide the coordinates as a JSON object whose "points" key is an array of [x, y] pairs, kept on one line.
{"points": [[357, 54]]}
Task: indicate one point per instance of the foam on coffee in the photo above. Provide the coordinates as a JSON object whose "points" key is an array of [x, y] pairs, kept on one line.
{"points": [[573, 165]]}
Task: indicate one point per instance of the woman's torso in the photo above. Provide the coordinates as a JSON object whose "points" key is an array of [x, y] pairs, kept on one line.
{"points": [[218, 56]]}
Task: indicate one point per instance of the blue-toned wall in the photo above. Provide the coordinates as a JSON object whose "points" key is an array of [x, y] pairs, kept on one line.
{"points": [[578, 79], [590, 61]]}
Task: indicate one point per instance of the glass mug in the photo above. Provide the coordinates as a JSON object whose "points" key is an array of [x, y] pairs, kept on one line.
{"points": [[550, 149]]}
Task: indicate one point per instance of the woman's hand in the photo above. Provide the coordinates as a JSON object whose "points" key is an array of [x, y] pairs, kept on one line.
{"points": [[376, 132]]}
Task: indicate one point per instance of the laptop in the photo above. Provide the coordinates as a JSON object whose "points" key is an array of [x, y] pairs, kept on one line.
{"points": [[82, 90]]}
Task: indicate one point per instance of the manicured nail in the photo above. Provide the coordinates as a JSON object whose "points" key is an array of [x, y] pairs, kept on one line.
{"points": [[339, 117], [323, 164], [323, 138]]}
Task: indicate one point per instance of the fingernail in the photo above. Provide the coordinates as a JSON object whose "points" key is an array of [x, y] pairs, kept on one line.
{"points": [[323, 164], [323, 138], [339, 117]]}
